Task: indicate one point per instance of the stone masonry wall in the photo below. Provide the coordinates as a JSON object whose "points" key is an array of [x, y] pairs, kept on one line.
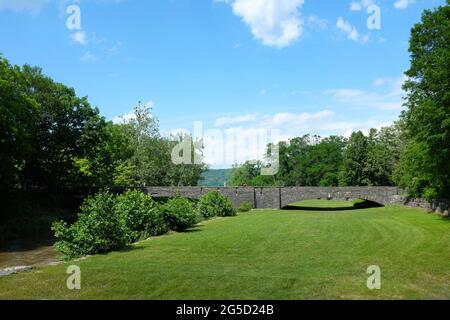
{"points": [[279, 197]]}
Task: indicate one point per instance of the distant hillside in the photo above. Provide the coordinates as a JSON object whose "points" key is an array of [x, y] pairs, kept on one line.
{"points": [[215, 178]]}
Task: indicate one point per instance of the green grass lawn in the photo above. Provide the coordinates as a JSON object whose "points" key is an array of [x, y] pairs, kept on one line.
{"points": [[325, 203], [267, 254]]}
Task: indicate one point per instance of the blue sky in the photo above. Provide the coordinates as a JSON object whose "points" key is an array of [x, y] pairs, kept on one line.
{"points": [[297, 66]]}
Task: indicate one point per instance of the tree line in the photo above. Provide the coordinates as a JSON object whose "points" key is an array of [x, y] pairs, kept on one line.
{"points": [[414, 153], [51, 140], [361, 160]]}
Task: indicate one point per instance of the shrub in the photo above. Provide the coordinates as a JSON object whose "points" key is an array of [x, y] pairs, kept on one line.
{"points": [[179, 214], [245, 207], [140, 214], [98, 229], [214, 204], [430, 194]]}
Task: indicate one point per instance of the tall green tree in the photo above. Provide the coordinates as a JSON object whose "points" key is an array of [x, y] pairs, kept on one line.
{"points": [[66, 128], [148, 159], [425, 167], [18, 113], [355, 155], [382, 157]]}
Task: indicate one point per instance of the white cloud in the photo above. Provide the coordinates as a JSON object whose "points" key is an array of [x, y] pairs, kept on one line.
{"points": [[223, 121], [316, 22], [115, 49], [302, 119], [388, 97], [125, 118], [359, 5], [381, 81], [402, 4], [355, 6], [275, 23], [79, 37], [33, 6], [88, 57], [237, 144], [351, 31], [344, 94]]}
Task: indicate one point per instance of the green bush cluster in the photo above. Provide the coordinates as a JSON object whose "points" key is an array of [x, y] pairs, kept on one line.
{"points": [[107, 222], [99, 229], [141, 215], [245, 207], [214, 204], [179, 214]]}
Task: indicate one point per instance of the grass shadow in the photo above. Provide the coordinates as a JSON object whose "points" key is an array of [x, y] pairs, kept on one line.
{"points": [[129, 248], [356, 206], [193, 229]]}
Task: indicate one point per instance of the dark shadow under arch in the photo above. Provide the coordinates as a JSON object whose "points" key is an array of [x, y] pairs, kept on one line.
{"points": [[365, 204]]}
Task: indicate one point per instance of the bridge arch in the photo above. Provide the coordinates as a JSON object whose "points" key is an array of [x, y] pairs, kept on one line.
{"points": [[378, 195]]}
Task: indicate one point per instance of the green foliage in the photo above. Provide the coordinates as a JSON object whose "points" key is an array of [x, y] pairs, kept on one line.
{"points": [[427, 118], [354, 161], [18, 113], [315, 161], [54, 140], [214, 204], [179, 214], [249, 174], [51, 132], [244, 175], [98, 229], [142, 215], [245, 207], [147, 160], [371, 160], [430, 194]]}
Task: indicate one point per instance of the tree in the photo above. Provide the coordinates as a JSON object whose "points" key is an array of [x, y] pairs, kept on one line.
{"points": [[18, 113], [324, 161], [147, 160], [425, 162], [382, 156], [243, 175], [304, 161], [66, 128], [353, 172]]}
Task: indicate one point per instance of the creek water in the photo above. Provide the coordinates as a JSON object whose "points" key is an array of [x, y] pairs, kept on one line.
{"points": [[27, 253]]}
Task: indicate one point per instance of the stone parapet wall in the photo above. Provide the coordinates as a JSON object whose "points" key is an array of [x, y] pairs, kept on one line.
{"points": [[441, 207], [279, 197]]}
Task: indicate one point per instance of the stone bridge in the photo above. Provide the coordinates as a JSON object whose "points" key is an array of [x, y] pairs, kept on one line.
{"points": [[280, 197]]}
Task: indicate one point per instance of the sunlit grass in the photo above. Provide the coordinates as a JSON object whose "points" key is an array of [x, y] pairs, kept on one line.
{"points": [[326, 203], [267, 254]]}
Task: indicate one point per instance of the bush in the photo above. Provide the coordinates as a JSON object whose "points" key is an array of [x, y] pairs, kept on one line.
{"points": [[245, 207], [214, 204], [98, 229], [179, 214], [140, 214], [430, 194]]}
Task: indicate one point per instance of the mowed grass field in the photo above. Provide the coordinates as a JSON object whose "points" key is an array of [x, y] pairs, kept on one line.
{"points": [[330, 204], [266, 254]]}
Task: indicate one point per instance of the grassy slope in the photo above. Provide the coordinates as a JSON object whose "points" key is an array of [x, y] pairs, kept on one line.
{"points": [[267, 255]]}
